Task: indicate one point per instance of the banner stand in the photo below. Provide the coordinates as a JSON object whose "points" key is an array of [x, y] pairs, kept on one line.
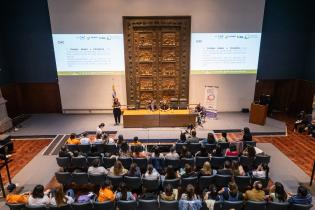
{"points": [[210, 102]]}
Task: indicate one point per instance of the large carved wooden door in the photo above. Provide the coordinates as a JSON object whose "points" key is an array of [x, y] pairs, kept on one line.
{"points": [[157, 58]]}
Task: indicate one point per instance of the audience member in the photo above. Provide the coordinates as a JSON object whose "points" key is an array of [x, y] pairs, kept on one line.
{"points": [[124, 150], [60, 198], [123, 193], [209, 140], [171, 173], [227, 169], [157, 159], [249, 151], [99, 129], [302, 196], [147, 195], [12, 196], [255, 194], [64, 152], [120, 141], [106, 193], [237, 169], [231, 151], [217, 152], [93, 152], [203, 152], [189, 199], [247, 136], [182, 138], [38, 196], [138, 152], [135, 141], [72, 139], [134, 170], [277, 193], [169, 193], [185, 153], [223, 138], [98, 139], [96, 169], [212, 194], [172, 155], [231, 192], [85, 139], [107, 140], [188, 171], [206, 169], [193, 138], [118, 169], [151, 173], [262, 171]]}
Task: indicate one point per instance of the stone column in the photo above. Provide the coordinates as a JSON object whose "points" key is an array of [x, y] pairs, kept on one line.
{"points": [[5, 121]]}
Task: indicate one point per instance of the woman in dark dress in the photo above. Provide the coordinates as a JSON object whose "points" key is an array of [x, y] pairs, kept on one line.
{"points": [[116, 111]]}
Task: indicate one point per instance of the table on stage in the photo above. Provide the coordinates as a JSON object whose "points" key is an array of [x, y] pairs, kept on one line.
{"points": [[148, 119]]}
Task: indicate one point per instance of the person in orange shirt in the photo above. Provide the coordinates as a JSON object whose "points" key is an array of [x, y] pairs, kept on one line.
{"points": [[73, 139], [105, 192], [13, 197], [135, 141]]}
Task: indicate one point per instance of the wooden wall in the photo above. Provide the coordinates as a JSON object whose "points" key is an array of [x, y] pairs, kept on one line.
{"points": [[29, 98]]}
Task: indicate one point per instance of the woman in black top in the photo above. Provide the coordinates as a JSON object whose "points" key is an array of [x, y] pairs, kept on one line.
{"points": [[247, 136], [116, 111]]}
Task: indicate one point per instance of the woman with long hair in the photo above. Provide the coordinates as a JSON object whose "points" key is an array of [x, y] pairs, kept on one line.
{"points": [[277, 193], [237, 169], [123, 193], [38, 196], [231, 192], [134, 170], [171, 173], [247, 136], [189, 199], [206, 169], [60, 198], [118, 169]]}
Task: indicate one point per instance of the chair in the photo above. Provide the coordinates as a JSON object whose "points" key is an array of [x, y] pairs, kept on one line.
{"points": [[217, 206], [84, 148], [217, 162], [141, 162], [108, 205], [97, 179], [82, 206], [183, 103], [243, 182], [277, 206], [147, 204], [110, 148], [133, 183], [237, 205], [194, 147], [190, 161], [64, 178], [224, 145], [222, 180], [209, 147], [179, 146], [174, 182], [300, 206], [231, 158], [80, 178], [174, 163], [190, 180], [91, 159], [63, 162], [247, 162], [168, 205], [108, 162], [205, 181], [257, 205], [264, 181], [126, 162], [79, 162], [99, 148], [115, 180], [249, 143], [151, 184], [72, 147], [133, 148], [65, 207], [40, 207], [260, 159], [127, 205], [201, 160], [16, 206]]}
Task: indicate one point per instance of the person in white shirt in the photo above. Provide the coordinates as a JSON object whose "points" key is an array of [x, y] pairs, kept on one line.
{"points": [[107, 139], [96, 169], [85, 139], [39, 197], [172, 155], [98, 139], [99, 129], [151, 173], [60, 199]]}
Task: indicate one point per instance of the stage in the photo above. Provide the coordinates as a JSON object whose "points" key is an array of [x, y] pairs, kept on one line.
{"points": [[53, 124]]}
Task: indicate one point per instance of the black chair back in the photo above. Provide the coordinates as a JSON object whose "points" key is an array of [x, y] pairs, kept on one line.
{"points": [[194, 147], [148, 204], [179, 146], [205, 181], [237, 205], [300, 207], [108, 162], [40, 207], [65, 207], [16, 206], [127, 205], [99, 148], [110, 148], [259, 159], [108, 205], [277, 206], [224, 145], [190, 180], [82, 206], [174, 182], [80, 178], [79, 162], [209, 147], [174, 163], [250, 143], [72, 147], [133, 183], [63, 162], [115, 180], [151, 184], [247, 162], [168, 205], [243, 182], [200, 161], [84, 148], [64, 178], [97, 179], [90, 160], [217, 206], [217, 162], [141, 162], [126, 162], [257, 205], [231, 158], [222, 180], [190, 161]]}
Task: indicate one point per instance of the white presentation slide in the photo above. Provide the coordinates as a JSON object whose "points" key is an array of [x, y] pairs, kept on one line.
{"points": [[89, 54], [222, 53]]}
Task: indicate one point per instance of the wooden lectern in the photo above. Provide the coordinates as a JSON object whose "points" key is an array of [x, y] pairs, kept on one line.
{"points": [[258, 114]]}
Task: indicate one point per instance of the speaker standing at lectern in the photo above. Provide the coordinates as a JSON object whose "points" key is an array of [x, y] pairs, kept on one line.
{"points": [[116, 111]]}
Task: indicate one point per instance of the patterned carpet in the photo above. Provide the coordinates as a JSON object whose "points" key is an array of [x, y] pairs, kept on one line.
{"points": [[24, 152]]}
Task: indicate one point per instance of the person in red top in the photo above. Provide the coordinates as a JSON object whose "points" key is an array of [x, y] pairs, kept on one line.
{"points": [[231, 151]]}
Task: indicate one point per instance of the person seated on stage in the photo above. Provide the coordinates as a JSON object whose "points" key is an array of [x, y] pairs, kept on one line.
{"points": [[185, 153], [231, 151], [193, 138], [164, 105], [227, 170], [13, 197], [85, 139], [99, 129], [152, 105], [302, 197], [223, 138], [172, 155], [151, 173], [209, 140], [72, 139], [255, 194], [247, 136], [107, 140], [96, 169], [135, 142], [64, 152]]}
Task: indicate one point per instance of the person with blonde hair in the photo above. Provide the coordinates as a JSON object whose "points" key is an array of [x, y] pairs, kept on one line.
{"points": [[60, 198], [206, 169], [118, 169]]}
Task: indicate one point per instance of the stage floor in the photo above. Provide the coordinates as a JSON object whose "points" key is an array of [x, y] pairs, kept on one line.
{"points": [[53, 124]]}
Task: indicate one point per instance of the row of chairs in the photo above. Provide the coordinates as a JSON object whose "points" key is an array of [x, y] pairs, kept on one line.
{"points": [[216, 162], [166, 205], [134, 183]]}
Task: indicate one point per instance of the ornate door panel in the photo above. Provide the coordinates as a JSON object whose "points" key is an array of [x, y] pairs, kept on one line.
{"points": [[157, 58]]}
